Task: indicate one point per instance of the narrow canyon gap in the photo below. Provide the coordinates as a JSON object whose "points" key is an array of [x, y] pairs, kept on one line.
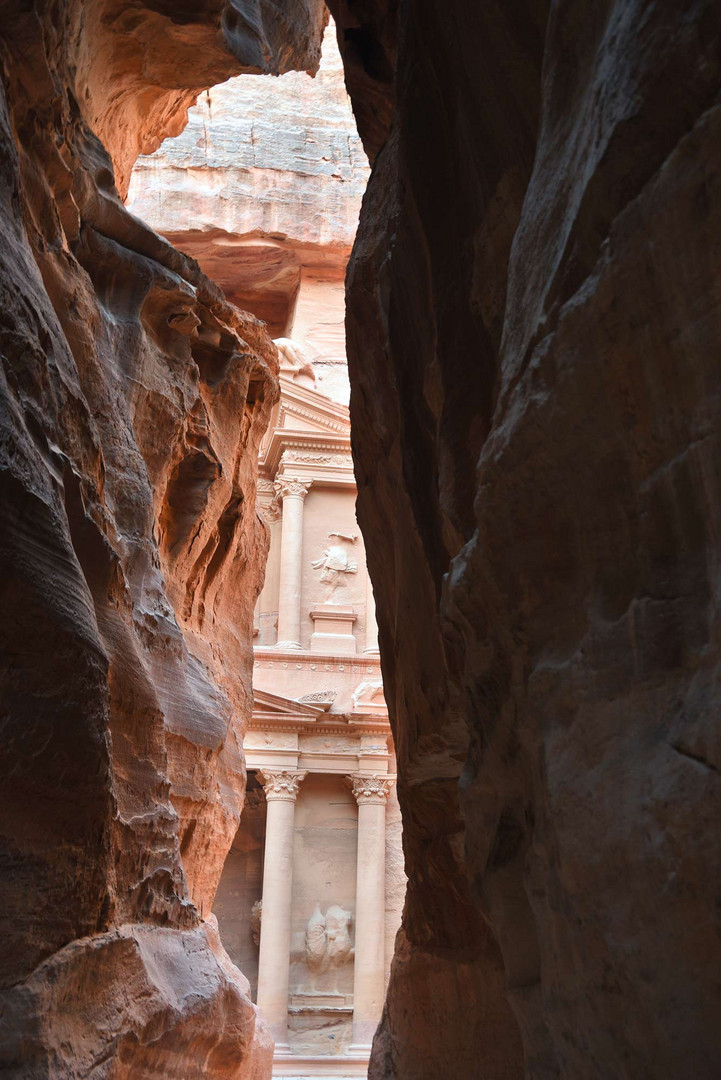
{"points": [[264, 189], [533, 318]]}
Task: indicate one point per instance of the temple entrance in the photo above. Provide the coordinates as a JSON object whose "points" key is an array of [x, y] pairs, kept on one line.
{"points": [[263, 188]]}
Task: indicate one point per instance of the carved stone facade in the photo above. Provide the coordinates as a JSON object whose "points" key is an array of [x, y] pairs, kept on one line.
{"points": [[281, 784], [322, 848], [317, 595], [367, 789], [312, 891]]}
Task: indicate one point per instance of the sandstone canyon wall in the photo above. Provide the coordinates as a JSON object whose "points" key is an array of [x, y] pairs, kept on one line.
{"points": [[264, 188], [134, 398], [534, 311]]}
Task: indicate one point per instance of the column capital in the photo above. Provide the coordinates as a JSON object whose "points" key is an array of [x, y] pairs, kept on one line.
{"points": [[370, 789], [281, 785], [291, 485]]}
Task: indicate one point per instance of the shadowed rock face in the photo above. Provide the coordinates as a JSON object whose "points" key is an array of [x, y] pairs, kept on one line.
{"points": [[134, 398], [534, 309]]}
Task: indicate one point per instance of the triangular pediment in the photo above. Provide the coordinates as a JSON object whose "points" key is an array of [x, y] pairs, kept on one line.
{"points": [[302, 409], [310, 433], [272, 706]]}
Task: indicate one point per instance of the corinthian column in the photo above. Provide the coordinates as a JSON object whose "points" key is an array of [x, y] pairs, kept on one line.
{"points": [[371, 793], [293, 493], [281, 790]]}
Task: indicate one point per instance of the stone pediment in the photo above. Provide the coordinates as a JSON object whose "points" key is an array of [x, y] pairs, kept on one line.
{"points": [[268, 708], [308, 432]]}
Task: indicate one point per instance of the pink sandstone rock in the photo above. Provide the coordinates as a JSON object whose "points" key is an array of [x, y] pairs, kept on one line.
{"points": [[264, 188], [134, 398]]}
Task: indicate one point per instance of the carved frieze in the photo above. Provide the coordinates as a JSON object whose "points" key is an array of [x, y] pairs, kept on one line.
{"points": [[321, 697], [309, 457]]}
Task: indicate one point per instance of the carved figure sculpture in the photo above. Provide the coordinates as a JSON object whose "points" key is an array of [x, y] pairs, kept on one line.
{"points": [[295, 362], [334, 564], [315, 943], [327, 939]]}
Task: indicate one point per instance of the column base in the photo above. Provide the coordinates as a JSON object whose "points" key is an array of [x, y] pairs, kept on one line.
{"points": [[287, 646], [282, 1050], [363, 1035]]}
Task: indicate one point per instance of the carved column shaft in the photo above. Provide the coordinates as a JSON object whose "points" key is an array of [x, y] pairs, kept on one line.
{"points": [[293, 493], [281, 790], [371, 793]]}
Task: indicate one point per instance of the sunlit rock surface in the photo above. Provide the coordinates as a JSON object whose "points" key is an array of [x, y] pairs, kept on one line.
{"points": [[264, 189], [134, 398]]}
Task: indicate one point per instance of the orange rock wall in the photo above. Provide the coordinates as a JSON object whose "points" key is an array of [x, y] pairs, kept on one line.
{"points": [[134, 398], [534, 308]]}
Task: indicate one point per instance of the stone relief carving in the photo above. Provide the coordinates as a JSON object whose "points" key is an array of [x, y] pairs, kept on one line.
{"points": [[369, 692], [256, 915], [327, 939], [321, 697], [334, 566], [271, 512], [367, 789], [302, 457], [351, 538], [294, 358]]}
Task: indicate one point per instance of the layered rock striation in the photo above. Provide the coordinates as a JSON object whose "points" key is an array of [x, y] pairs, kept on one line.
{"points": [[533, 316], [264, 188], [134, 399]]}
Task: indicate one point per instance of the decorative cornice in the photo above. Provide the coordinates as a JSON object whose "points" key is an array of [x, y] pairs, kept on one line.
{"points": [[363, 725], [326, 444], [370, 789], [281, 785], [291, 485], [315, 457], [270, 656]]}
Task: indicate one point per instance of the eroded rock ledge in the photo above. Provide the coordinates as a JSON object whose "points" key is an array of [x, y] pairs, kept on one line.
{"points": [[134, 397]]}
